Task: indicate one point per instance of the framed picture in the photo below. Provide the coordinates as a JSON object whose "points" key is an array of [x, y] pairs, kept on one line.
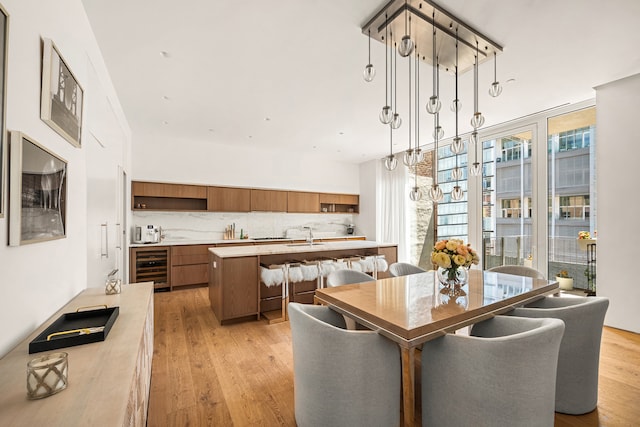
{"points": [[37, 193], [4, 34], [62, 95]]}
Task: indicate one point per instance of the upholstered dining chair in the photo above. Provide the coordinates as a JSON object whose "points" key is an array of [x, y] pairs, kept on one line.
{"points": [[346, 277], [518, 270], [577, 381], [404, 269], [502, 374], [341, 377]]}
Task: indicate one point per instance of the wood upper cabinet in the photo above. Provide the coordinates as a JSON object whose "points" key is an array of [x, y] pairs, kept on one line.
{"points": [[228, 199], [303, 202], [268, 200], [172, 197], [342, 203]]}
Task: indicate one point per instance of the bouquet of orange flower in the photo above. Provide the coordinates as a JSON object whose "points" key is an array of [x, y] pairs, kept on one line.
{"points": [[453, 253], [584, 235]]}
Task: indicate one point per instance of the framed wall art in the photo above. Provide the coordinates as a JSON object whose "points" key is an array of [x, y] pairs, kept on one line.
{"points": [[62, 96], [4, 35], [38, 192]]}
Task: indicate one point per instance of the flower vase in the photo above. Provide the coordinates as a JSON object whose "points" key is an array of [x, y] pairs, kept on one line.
{"points": [[452, 279]]}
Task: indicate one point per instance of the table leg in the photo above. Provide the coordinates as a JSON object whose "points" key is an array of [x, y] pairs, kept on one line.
{"points": [[408, 385]]}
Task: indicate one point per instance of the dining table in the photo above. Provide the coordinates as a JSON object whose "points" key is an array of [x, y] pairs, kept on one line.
{"points": [[411, 310]]}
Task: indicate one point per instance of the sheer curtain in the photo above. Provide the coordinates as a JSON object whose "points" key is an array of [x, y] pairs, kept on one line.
{"points": [[392, 206]]}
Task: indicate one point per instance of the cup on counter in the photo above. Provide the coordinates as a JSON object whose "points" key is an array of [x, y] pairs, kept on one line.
{"points": [[47, 375]]}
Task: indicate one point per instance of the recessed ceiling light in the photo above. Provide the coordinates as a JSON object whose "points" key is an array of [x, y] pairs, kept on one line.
{"points": [[165, 97], [164, 122], [165, 54], [210, 130], [267, 119], [511, 81], [340, 133]]}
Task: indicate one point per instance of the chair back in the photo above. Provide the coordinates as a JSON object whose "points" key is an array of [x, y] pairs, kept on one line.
{"points": [[518, 270], [511, 365], [579, 359], [342, 377], [404, 269], [347, 277]]}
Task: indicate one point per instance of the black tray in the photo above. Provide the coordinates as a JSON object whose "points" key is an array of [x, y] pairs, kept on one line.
{"points": [[103, 319]]}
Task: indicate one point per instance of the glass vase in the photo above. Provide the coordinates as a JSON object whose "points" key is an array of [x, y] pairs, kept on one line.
{"points": [[452, 277]]}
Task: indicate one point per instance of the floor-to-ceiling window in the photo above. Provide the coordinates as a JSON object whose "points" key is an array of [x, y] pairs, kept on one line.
{"points": [[452, 215], [572, 192]]}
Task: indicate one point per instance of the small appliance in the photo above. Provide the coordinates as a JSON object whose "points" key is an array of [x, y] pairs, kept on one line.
{"points": [[147, 234]]}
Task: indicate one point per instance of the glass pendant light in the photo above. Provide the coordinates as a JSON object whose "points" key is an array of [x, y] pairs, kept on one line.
{"points": [[495, 89], [457, 194], [438, 132], [457, 146], [435, 192], [415, 194], [418, 153], [396, 120], [409, 158], [386, 115], [434, 104], [478, 119], [456, 173], [390, 162], [369, 71], [476, 168], [406, 44]]}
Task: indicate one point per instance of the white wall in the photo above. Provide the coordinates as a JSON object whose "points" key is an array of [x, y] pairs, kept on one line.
{"points": [[37, 279], [203, 162], [617, 154], [366, 220]]}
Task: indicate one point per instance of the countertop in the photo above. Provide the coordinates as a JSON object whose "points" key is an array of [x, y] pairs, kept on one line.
{"points": [[259, 250], [233, 241]]}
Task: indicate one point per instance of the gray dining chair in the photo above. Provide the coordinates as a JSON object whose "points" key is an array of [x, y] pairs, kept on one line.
{"points": [[347, 277], [518, 270], [342, 377], [502, 374], [577, 381], [404, 269]]}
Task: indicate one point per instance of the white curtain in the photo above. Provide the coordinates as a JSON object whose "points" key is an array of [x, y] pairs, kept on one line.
{"points": [[392, 205]]}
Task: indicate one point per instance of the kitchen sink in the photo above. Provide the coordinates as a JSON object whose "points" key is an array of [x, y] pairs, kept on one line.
{"points": [[305, 244]]}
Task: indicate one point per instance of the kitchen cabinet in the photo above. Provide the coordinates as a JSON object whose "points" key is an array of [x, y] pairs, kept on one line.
{"points": [[151, 264], [303, 202], [233, 287], [189, 265], [229, 199], [168, 197], [339, 203], [268, 200]]}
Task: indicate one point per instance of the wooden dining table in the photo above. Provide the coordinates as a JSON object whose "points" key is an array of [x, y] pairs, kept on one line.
{"points": [[411, 310]]}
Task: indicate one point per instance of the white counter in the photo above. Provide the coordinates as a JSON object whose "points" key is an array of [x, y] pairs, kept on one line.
{"points": [[234, 241], [275, 249]]}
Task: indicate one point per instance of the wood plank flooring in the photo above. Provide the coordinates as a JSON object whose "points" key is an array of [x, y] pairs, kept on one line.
{"points": [[242, 374]]}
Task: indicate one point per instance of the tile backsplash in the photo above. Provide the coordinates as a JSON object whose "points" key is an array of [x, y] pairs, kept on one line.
{"points": [[178, 226]]}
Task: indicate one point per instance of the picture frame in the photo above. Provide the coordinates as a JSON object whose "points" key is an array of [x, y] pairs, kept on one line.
{"points": [[4, 43], [37, 192], [62, 97]]}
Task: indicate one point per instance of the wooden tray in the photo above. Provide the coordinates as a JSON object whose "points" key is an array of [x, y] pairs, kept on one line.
{"points": [[81, 327]]}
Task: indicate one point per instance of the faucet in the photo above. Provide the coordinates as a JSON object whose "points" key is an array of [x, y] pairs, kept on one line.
{"points": [[310, 236]]}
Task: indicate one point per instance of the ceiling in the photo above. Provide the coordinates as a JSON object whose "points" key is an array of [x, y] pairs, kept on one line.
{"points": [[287, 74]]}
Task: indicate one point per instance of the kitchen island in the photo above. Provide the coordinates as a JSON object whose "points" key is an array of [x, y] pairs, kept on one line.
{"points": [[235, 288]]}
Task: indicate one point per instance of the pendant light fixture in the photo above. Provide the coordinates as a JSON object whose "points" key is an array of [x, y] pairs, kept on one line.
{"points": [[415, 194], [434, 104], [495, 89], [476, 168], [369, 71], [406, 44], [396, 120], [478, 119], [409, 158], [418, 153], [386, 115], [435, 192], [390, 162], [457, 146]]}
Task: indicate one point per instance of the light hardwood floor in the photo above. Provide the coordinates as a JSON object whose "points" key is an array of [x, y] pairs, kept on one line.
{"points": [[242, 374]]}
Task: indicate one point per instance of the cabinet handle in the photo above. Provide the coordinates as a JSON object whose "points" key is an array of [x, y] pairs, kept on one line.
{"points": [[119, 234], [104, 240]]}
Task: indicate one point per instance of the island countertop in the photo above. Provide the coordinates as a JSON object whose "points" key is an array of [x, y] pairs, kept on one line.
{"points": [[292, 248]]}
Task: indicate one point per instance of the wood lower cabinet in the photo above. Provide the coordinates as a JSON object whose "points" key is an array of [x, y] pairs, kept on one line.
{"points": [[268, 200], [151, 264], [233, 287], [228, 199], [302, 202], [189, 265]]}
